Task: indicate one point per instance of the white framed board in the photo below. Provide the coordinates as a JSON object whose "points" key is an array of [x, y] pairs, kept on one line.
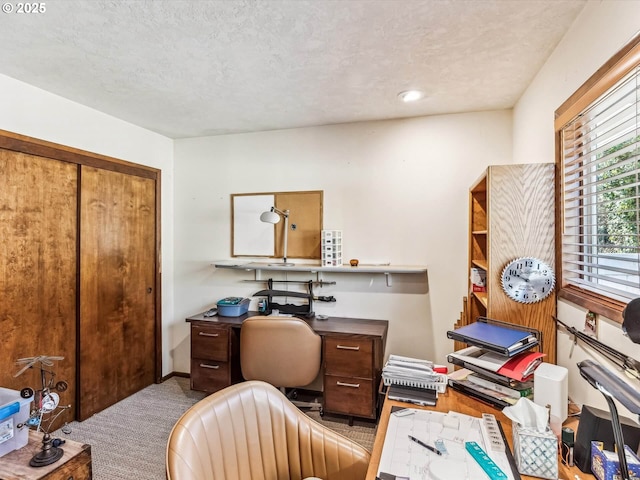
{"points": [[251, 237]]}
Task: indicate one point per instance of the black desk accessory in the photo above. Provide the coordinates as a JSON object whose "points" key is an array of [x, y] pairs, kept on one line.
{"points": [[304, 310], [595, 424]]}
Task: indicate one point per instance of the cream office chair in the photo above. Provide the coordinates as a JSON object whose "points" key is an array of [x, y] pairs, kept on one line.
{"points": [[250, 431], [282, 351]]}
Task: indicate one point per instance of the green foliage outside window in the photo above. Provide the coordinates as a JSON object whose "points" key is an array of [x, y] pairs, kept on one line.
{"points": [[618, 196]]}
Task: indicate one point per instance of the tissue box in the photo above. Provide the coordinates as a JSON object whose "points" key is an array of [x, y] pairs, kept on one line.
{"points": [[605, 464], [536, 453]]}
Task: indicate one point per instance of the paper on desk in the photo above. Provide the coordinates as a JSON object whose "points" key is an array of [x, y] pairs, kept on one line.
{"points": [[528, 414], [402, 458]]}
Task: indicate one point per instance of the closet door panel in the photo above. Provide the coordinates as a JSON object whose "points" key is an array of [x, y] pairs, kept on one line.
{"points": [[38, 225], [117, 278]]}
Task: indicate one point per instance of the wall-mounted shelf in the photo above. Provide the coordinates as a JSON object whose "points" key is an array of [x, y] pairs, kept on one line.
{"points": [[386, 270]]}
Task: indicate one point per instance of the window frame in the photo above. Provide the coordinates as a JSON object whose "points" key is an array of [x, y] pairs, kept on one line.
{"points": [[616, 68]]}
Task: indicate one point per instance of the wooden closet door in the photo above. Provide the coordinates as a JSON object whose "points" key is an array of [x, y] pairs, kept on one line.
{"points": [[117, 298], [38, 222]]}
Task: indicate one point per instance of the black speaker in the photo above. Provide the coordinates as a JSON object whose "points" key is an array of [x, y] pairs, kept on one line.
{"points": [[595, 424]]}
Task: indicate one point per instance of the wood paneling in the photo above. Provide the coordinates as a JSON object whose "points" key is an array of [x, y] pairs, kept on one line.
{"points": [[117, 280], [512, 215], [38, 269], [521, 223]]}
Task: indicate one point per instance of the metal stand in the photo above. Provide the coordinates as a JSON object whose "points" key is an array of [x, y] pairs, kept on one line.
{"points": [[48, 455], [617, 436]]}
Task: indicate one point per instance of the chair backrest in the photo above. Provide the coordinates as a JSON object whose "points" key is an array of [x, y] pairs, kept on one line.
{"points": [[251, 431], [283, 351]]}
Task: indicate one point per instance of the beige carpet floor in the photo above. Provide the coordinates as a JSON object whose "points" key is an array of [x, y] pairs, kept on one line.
{"points": [[128, 439]]}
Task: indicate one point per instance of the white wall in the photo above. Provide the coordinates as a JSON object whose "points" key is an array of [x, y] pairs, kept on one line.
{"points": [[34, 112], [397, 189], [599, 32]]}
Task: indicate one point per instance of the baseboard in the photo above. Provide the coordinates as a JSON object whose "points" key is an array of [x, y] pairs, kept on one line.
{"points": [[175, 374]]}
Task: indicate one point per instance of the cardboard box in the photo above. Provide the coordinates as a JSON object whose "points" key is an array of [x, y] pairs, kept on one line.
{"points": [[605, 464], [14, 413]]}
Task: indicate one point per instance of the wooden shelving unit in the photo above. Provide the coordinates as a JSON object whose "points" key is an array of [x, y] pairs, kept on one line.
{"points": [[511, 215]]}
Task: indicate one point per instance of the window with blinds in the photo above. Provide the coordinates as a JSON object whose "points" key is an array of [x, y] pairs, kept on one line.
{"points": [[600, 193]]}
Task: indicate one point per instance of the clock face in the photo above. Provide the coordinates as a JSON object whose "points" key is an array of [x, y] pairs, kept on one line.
{"points": [[528, 280]]}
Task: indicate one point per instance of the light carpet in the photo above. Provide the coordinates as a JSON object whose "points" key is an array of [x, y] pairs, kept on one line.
{"points": [[128, 440]]}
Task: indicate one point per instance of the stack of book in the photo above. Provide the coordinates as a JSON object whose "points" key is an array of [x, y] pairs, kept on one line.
{"points": [[413, 380], [498, 365]]}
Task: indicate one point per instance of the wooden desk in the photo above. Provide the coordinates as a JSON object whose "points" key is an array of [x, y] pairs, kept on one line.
{"points": [[352, 359], [454, 400], [75, 463]]}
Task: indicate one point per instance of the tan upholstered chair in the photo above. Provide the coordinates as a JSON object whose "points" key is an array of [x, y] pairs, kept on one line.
{"points": [[250, 431], [282, 351]]}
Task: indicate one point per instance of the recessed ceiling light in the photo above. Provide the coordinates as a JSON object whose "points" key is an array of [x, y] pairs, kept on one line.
{"points": [[410, 95]]}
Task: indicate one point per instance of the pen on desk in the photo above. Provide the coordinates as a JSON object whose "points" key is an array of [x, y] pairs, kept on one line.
{"points": [[422, 444]]}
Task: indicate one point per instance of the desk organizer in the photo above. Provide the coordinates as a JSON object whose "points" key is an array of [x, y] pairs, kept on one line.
{"points": [[536, 453], [331, 248]]}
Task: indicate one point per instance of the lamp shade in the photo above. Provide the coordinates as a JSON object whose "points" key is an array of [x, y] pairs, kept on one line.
{"points": [[269, 217]]}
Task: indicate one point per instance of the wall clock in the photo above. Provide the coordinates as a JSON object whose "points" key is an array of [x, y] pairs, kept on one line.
{"points": [[528, 280]]}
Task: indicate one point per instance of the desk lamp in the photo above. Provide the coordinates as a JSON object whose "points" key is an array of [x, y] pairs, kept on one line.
{"points": [[273, 216], [612, 387]]}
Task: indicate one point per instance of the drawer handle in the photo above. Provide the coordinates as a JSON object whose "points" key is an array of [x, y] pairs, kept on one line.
{"points": [[352, 385], [205, 334], [215, 367], [347, 347]]}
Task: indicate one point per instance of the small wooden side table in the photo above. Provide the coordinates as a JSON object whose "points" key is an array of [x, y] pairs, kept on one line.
{"points": [[75, 463]]}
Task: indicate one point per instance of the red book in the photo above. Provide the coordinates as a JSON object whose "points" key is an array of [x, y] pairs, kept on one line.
{"points": [[521, 366]]}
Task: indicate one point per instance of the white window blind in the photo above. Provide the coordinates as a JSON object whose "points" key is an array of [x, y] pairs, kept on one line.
{"points": [[600, 160]]}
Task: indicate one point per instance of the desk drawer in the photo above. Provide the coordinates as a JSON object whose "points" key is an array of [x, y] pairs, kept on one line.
{"points": [[208, 375], [348, 356], [210, 342], [349, 396]]}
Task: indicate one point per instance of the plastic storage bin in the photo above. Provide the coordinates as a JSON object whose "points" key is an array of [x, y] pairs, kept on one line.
{"points": [[14, 410], [233, 306]]}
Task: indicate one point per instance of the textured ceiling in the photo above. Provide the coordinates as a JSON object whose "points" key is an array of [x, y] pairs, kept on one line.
{"points": [[193, 68]]}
